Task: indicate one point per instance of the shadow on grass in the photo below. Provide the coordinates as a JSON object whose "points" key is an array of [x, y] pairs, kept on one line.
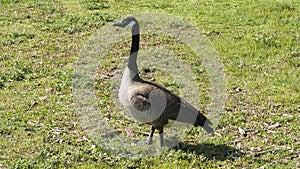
{"points": [[219, 152], [222, 152]]}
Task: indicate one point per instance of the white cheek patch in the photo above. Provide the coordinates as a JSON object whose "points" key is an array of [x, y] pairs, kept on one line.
{"points": [[130, 25]]}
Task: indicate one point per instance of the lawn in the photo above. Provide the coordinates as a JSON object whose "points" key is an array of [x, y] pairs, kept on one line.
{"points": [[258, 43]]}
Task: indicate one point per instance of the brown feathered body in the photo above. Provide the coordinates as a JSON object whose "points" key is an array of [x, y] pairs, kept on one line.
{"points": [[153, 104]]}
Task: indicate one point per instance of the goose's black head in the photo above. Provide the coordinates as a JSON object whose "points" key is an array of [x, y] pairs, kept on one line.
{"points": [[127, 22]]}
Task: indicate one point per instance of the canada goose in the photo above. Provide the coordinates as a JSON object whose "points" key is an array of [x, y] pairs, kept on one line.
{"points": [[150, 103]]}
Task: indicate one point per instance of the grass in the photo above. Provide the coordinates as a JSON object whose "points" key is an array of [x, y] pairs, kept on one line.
{"points": [[258, 42]]}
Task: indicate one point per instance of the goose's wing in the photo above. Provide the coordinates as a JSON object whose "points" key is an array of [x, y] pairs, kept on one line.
{"points": [[180, 110], [148, 100], [156, 102], [172, 106]]}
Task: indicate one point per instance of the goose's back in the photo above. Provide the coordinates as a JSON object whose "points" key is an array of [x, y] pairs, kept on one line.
{"points": [[153, 104]]}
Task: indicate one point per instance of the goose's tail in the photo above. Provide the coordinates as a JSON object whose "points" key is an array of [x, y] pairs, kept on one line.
{"points": [[204, 122], [190, 114]]}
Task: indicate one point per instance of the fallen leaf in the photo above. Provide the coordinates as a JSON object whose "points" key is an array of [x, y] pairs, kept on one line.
{"points": [[274, 126], [218, 134], [129, 132], [242, 131], [271, 131]]}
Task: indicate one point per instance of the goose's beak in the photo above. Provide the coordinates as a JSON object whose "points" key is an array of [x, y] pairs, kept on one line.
{"points": [[119, 23]]}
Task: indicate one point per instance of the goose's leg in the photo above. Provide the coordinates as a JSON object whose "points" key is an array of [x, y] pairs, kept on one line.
{"points": [[149, 140], [161, 136]]}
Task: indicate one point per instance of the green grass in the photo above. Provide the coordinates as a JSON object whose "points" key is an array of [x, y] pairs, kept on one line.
{"points": [[258, 42]]}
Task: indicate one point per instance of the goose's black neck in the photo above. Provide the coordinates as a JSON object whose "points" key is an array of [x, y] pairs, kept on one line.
{"points": [[135, 43], [132, 65]]}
